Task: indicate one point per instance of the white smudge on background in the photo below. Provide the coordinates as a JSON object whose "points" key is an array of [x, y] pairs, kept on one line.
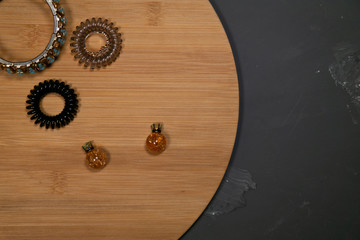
{"points": [[346, 73], [231, 194]]}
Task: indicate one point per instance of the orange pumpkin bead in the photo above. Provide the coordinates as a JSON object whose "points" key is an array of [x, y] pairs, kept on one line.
{"points": [[156, 141], [96, 158]]}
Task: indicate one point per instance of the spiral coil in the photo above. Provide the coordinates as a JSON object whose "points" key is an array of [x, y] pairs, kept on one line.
{"points": [[107, 54], [40, 91]]}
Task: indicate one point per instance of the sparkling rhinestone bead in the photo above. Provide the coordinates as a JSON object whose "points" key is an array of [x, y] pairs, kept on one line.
{"points": [[63, 32], [50, 59], [61, 41], [9, 70], [32, 70], [19, 71], [41, 66], [61, 11], [56, 52], [63, 20]]}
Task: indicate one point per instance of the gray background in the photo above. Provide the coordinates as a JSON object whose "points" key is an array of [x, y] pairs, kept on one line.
{"points": [[296, 136]]}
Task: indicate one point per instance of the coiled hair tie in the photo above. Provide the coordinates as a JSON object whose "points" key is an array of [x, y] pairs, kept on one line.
{"points": [[52, 50], [41, 90], [107, 54]]}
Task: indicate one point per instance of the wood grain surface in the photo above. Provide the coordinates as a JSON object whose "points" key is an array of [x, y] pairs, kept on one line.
{"points": [[176, 67]]}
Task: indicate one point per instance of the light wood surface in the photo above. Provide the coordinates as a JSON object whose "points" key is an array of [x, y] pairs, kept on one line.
{"points": [[176, 67]]}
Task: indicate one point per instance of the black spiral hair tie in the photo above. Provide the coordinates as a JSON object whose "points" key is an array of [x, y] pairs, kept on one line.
{"points": [[40, 91]]}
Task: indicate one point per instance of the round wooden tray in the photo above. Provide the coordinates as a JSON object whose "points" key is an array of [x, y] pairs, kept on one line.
{"points": [[176, 68]]}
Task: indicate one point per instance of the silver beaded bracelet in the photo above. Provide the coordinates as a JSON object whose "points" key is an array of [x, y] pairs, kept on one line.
{"points": [[52, 50]]}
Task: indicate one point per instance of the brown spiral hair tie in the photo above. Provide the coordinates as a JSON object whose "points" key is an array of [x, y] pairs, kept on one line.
{"points": [[107, 54]]}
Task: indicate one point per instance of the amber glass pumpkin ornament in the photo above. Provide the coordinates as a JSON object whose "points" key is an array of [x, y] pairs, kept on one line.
{"points": [[96, 158], [156, 141]]}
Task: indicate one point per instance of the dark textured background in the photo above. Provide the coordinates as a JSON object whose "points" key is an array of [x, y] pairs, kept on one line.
{"points": [[296, 135]]}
